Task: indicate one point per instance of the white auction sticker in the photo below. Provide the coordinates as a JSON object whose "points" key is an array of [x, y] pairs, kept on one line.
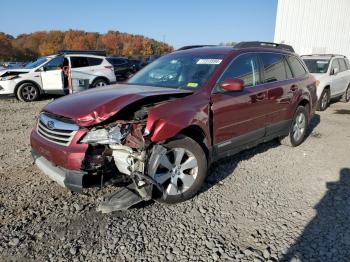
{"points": [[209, 61]]}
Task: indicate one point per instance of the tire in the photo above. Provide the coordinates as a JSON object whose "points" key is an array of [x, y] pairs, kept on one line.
{"points": [[185, 164], [27, 92], [346, 96], [324, 100], [297, 131], [99, 83]]}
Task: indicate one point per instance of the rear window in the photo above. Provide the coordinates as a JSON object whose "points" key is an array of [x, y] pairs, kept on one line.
{"points": [[275, 68], [296, 66], [80, 61]]}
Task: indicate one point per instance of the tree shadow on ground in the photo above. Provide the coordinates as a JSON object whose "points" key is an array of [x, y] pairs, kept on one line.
{"points": [[327, 236], [223, 168]]}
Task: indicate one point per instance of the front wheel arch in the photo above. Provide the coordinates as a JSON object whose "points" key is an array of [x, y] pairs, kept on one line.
{"points": [[29, 82]]}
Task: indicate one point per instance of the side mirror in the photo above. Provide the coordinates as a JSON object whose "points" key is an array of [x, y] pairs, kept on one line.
{"points": [[335, 71], [232, 84]]}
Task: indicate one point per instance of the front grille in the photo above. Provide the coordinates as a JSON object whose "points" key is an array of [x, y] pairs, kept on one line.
{"points": [[56, 129]]}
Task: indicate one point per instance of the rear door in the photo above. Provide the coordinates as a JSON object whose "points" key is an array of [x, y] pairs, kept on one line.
{"points": [[239, 117], [336, 79], [52, 75], [280, 85], [85, 67], [343, 75]]}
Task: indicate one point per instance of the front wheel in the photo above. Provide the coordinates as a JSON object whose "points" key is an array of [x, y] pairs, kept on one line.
{"points": [[28, 92], [181, 170], [324, 100], [298, 128]]}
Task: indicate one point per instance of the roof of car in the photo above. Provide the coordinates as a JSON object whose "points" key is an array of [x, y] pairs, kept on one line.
{"points": [[228, 49], [322, 56]]}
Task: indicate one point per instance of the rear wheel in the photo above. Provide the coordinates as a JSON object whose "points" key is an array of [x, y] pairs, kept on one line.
{"points": [[346, 96], [181, 171], [298, 128], [324, 100], [28, 92], [99, 83]]}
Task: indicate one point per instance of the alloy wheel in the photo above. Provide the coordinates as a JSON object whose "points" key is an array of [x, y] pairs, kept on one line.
{"points": [[324, 101], [29, 92], [101, 83], [177, 171], [299, 127]]}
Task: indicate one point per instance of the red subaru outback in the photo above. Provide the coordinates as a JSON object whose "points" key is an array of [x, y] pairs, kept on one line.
{"points": [[162, 129]]}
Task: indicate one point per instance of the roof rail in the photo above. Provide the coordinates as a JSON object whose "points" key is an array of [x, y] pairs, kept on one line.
{"points": [[83, 52], [331, 55], [192, 46], [264, 44]]}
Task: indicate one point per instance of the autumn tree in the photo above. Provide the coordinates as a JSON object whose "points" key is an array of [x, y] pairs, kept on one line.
{"points": [[42, 43]]}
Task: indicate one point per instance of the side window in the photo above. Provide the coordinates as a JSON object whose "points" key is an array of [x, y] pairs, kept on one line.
{"points": [[342, 65], [94, 61], [54, 64], [347, 63], [244, 67], [288, 70], [274, 67], [335, 64], [296, 66], [79, 61]]}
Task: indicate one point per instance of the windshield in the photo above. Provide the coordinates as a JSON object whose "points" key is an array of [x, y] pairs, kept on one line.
{"points": [[36, 63], [187, 71], [317, 66]]}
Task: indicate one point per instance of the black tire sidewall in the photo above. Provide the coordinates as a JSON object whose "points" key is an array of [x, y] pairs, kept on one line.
{"points": [[304, 110], [20, 95], [192, 146]]}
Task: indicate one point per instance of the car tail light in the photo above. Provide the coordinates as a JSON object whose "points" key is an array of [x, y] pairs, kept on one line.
{"points": [[109, 67]]}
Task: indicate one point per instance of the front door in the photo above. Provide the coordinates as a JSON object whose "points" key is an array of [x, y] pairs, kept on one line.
{"points": [[52, 75], [239, 116]]}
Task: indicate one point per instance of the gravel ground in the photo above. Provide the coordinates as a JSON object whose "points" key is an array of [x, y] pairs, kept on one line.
{"points": [[270, 203]]}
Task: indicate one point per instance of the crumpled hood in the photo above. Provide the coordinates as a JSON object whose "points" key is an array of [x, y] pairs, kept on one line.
{"points": [[96, 105], [13, 71]]}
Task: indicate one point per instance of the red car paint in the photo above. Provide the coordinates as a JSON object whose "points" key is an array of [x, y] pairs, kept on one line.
{"points": [[220, 116]]}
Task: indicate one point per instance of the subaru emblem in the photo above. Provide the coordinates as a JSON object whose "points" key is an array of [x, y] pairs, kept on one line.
{"points": [[50, 124]]}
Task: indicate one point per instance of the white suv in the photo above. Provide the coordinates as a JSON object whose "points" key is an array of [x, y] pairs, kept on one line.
{"points": [[332, 73], [46, 75]]}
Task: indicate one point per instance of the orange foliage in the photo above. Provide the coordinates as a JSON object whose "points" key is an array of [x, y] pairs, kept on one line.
{"points": [[29, 46]]}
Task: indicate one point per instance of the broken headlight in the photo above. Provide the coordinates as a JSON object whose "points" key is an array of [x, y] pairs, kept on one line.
{"points": [[103, 136], [4, 78]]}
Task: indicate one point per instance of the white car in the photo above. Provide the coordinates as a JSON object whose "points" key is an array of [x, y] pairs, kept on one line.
{"points": [[332, 73], [46, 76]]}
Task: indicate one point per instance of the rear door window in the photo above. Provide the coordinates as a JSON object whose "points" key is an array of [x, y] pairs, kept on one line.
{"points": [[274, 67], [244, 67], [79, 61], [92, 61], [347, 63], [342, 65], [296, 66]]}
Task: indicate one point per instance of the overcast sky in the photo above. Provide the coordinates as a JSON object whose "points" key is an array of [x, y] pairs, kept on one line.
{"points": [[180, 22]]}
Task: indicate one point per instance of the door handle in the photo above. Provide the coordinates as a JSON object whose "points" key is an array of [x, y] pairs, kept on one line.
{"points": [[294, 88]]}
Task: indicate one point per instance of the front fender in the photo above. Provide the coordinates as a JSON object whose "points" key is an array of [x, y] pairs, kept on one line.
{"points": [[167, 120]]}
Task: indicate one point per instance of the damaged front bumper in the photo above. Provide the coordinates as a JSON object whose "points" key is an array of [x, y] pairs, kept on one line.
{"points": [[71, 179]]}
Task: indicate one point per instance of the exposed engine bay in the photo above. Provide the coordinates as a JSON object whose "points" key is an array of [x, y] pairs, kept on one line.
{"points": [[120, 151]]}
